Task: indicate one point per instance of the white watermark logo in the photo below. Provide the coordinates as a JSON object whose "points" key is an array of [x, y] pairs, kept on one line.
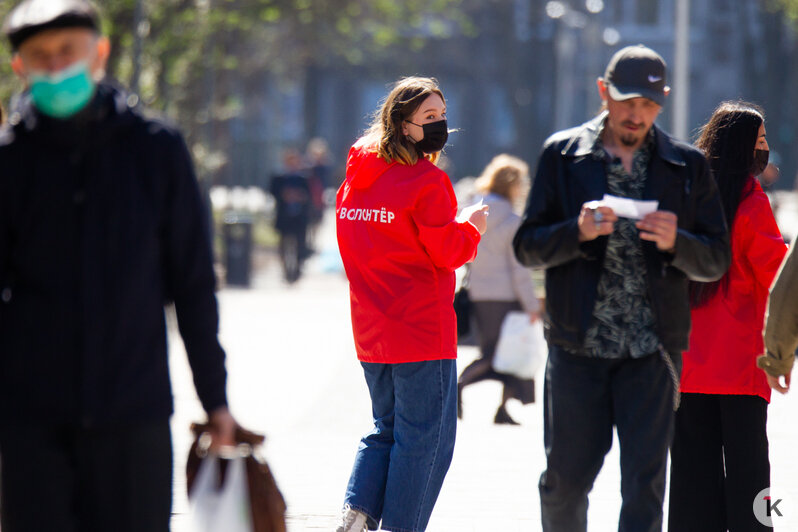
{"points": [[774, 507]]}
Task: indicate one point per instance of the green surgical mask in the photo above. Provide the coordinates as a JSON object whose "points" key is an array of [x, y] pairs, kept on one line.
{"points": [[64, 93]]}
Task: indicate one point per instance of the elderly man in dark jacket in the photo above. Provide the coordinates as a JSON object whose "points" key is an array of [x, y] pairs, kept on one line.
{"points": [[101, 225], [617, 311]]}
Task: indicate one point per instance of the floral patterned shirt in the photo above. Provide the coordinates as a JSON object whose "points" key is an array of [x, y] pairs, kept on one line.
{"points": [[623, 322]]}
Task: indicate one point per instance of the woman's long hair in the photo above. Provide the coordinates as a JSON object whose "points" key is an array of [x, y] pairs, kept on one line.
{"points": [[385, 132], [728, 140]]}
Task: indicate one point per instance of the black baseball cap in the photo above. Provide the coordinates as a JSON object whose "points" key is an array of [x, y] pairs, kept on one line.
{"points": [[33, 16], [634, 72]]}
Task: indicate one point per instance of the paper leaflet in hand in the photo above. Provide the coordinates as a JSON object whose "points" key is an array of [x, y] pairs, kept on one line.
{"points": [[625, 207], [466, 213]]}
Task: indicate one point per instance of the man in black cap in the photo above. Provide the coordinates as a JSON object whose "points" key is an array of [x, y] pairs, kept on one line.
{"points": [[617, 313], [101, 225]]}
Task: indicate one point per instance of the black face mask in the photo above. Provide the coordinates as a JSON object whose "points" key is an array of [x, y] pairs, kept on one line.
{"points": [[760, 161], [435, 136]]}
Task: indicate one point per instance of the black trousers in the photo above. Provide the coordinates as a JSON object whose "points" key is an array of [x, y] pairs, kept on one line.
{"points": [[719, 463], [583, 399], [293, 251], [68, 479]]}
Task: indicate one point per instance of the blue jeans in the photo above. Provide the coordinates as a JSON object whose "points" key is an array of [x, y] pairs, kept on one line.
{"points": [[400, 465], [583, 399]]}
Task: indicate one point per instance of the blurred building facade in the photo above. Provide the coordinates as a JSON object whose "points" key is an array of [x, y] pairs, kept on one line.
{"points": [[529, 70]]}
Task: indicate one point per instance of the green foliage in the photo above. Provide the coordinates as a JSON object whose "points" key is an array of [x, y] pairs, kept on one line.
{"points": [[788, 7], [197, 56], [8, 83], [204, 62], [190, 40]]}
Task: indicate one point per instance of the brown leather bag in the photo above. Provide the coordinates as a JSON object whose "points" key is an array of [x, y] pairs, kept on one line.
{"points": [[266, 501]]}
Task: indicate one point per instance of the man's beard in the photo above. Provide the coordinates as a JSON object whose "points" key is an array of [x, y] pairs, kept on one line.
{"points": [[629, 140]]}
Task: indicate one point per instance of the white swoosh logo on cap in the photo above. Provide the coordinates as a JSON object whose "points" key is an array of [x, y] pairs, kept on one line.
{"points": [[654, 79]]}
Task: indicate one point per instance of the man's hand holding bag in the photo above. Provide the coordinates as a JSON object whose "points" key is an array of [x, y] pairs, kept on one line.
{"points": [[232, 490]]}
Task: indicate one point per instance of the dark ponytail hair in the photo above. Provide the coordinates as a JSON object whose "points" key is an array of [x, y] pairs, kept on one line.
{"points": [[728, 140]]}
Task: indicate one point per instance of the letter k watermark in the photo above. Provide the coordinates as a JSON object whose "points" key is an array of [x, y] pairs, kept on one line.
{"points": [[775, 508], [772, 507]]}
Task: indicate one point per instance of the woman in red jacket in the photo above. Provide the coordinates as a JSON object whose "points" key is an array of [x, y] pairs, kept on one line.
{"points": [[719, 457], [400, 244]]}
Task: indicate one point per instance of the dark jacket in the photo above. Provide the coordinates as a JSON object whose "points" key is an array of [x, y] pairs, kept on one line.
{"points": [[291, 194], [568, 176], [101, 225]]}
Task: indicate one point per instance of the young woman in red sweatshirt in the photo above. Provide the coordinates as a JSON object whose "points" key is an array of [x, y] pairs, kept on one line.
{"points": [[719, 457], [400, 244]]}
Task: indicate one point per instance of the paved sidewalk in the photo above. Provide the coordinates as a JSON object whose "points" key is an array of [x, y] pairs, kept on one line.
{"points": [[294, 376]]}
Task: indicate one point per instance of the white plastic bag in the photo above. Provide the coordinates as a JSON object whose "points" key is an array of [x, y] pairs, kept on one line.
{"points": [[521, 347], [224, 509]]}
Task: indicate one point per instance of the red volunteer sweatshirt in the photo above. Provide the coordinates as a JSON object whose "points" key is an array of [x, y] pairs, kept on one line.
{"points": [[400, 244]]}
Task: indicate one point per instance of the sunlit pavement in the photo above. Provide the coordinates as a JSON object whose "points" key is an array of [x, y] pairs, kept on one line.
{"points": [[293, 376]]}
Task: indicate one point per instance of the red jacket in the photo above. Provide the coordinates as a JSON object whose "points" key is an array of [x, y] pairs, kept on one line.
{"points": [[400, 245], [726, 336]]}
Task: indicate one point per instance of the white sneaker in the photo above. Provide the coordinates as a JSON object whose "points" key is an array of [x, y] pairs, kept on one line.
{"points": [[353, 521]]}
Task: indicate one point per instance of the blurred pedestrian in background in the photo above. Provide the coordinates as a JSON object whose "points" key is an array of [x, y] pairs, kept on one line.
{"points": [[291, 193], [781, 326], [319, 173], [400, 244], [497, 282], [617, 314], [719, 459], [101, 225]]}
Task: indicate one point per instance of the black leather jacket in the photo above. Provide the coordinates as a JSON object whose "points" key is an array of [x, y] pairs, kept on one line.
{"points": [[568, 176]]}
